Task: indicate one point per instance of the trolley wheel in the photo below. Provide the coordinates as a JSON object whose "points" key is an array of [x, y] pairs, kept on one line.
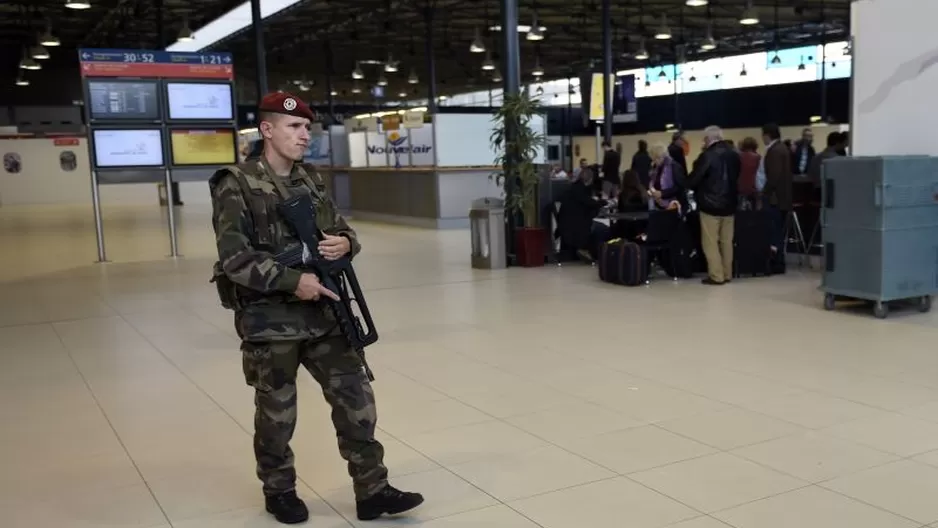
{"points": [[924, 304], [829, 301], [880, 310]]}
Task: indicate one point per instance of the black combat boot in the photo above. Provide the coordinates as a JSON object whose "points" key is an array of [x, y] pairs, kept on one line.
{"points": [[287, 508], [389, 500]]}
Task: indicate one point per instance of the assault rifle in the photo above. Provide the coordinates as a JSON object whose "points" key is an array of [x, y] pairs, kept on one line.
{"points": [[338, 276]]}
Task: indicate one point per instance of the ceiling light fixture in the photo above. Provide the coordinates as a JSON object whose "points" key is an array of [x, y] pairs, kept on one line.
{"points": [[776, 59], [750, 17], [48, 39], [39, 52], [478, 45], [412, 78], [497, 77], [78, 4], [488, 64], [642, 53], [709, 43], [22, 81], [382, 81], [357, 73], [696, 3], [535, 32], [664, 32], [538, 71], [390, 66]]}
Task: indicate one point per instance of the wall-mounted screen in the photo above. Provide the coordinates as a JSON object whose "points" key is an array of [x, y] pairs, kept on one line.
{"points": [[199, 101], [123, 100], [128, 148], [203, 147]]}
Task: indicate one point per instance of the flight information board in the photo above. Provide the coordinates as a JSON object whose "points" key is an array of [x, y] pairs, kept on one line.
{"points": [[123, 100], [199, 101]]}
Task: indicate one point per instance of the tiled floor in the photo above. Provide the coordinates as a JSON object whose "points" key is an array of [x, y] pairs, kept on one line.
{"points": [[512, 399]]}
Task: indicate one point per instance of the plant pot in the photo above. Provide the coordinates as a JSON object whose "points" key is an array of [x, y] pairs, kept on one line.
{"points": [[530, 246]]}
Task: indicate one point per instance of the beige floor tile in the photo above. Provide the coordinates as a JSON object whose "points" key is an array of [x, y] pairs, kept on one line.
{"points": [[321, 515], [494, 517], [731, 428], [426, 416], [811, 409], [516, 476], [811, 508], [717, 482], [894, 433], [637, 449], [814, 456], [522, 398], [572, 421], [701, 522], [131, 367], [466, 443], [445, 493], [129, 506], [905, 488], [616, 502]]}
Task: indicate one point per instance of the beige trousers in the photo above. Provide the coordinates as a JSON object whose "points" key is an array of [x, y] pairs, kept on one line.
{"points": [[716, 233]]}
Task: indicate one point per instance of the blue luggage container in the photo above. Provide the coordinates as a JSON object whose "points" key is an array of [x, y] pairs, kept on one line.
{"points": [[879, 218]]}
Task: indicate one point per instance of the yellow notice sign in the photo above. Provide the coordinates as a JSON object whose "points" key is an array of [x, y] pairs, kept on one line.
{"points": [[202, 147], [597, 108]]}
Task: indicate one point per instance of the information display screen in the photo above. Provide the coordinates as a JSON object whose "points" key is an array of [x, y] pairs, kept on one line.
{"points": [[199, 101], [203, 147], [128, 148], [123, 100]]}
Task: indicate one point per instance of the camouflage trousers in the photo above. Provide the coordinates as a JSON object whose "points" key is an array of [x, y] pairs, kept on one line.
{"points": [[271, 368]]}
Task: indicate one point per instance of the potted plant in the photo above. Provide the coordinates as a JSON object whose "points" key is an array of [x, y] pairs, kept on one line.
{"points": [[516, 156]]}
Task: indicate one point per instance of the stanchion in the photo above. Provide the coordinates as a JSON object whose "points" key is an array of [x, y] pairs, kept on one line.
{"points": [[171, 214], [98, 226]]}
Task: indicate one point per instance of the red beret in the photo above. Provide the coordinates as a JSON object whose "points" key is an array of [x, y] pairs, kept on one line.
{"points": [[285, 103]]}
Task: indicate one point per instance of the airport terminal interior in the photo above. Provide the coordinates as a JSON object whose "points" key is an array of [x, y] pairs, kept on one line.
{"points": [[510, 396]]}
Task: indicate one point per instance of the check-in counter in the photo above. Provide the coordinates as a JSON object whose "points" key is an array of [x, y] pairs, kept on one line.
{"points": [[424, 174], [430, 197]]}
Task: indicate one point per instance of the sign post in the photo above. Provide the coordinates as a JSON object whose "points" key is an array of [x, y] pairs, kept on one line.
{"points": [[156, 117]]}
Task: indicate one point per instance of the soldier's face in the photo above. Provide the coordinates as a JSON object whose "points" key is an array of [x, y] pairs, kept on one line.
{"points": [[287, 135]]}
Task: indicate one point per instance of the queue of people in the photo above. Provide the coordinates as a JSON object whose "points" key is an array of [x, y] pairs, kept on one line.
{"points": [[723, 181]]}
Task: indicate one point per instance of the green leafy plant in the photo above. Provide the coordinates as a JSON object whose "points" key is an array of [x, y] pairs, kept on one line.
{"points": [[517, 153]]}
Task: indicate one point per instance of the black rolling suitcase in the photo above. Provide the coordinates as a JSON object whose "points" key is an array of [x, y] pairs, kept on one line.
{"points": [[752, 254], [623, 262]]}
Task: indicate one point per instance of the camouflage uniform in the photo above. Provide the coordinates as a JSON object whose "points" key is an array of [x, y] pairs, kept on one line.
{"points": [[279, 332]]}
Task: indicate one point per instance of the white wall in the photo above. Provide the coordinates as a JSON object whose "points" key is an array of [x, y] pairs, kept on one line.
{"points": [[42, 179], [462, 140], [895, 77]]}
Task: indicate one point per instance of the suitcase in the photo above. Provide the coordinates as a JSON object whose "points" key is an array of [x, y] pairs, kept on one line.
{"points": [[622, 262], [752, 254]]}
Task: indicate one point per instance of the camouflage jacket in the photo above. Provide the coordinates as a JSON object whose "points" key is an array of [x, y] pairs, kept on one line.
{"points": [[249, 232]]}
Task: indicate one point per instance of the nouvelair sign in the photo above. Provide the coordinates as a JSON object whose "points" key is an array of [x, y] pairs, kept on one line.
{"points": [[397, 145]]}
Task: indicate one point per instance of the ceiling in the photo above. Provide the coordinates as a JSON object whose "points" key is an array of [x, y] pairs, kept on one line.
{"points": [[108, 23], [301, 40]]}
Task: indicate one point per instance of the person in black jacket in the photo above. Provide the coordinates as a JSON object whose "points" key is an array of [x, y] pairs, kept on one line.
{"points": [[714, 182], [578, 208]]}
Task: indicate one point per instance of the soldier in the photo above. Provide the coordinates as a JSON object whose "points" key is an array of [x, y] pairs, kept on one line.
{"points": [[283, 321]]}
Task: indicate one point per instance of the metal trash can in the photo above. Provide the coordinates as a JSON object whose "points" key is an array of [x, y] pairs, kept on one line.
{"points": [[487, 226]]}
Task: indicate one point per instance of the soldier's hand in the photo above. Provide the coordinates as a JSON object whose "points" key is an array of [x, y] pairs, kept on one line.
{"points": [[310, 289], [334, 247]]}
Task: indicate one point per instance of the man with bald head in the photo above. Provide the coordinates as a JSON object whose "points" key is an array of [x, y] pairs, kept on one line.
{"points": [[283, 320]]}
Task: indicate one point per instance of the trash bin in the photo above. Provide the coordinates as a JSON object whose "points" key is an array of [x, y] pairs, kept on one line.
{"points": [[487, 225]]}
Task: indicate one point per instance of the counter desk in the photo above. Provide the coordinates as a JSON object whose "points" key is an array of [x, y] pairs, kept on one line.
{"points": [[429, 197]]}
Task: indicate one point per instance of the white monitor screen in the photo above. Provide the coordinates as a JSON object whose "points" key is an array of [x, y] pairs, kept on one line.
{"points": [[199, 101], [128, 148]]}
